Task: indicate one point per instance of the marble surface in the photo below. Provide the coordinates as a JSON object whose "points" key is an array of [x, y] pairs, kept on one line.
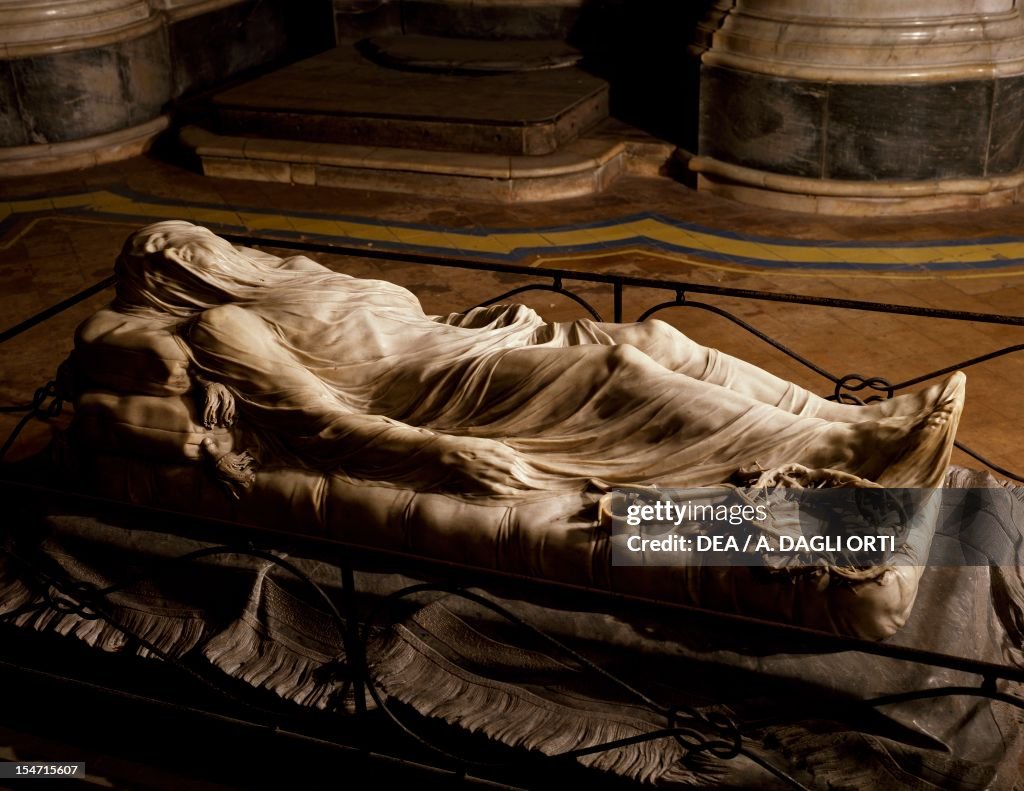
{"points": [[583, 167], [84, 82], [182, 9], [83, 93], [928, 132], [884, 95], [82, 153], [65, 229], [867, 41], [1006, 134], [762, 122], [877, 9], [480, 56], [498, 19], [932, 131], [32, 27], [208, 45], [495, 401]]}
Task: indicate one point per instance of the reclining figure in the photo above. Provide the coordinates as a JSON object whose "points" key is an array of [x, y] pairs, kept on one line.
{"points": [[341, 373]]}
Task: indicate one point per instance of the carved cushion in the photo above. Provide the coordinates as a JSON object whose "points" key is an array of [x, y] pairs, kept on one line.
{"points": [[555, 537], [120, 353], [138, 422], [163, 428]]}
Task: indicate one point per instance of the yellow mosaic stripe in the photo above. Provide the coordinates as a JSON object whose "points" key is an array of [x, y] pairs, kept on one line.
{"points": [[549, 245]]}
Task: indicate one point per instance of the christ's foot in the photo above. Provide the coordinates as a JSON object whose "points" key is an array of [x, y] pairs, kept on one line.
{"points": [[908, 404], [901, 450], [925, 457]]}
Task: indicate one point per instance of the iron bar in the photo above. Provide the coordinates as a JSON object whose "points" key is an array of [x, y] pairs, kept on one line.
{"points": [[557, 288], [627, 280], [56, 309], [753, 330]]}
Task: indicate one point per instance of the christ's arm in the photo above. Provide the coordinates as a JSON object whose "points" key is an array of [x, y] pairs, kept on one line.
{"points": [[275, 393]]}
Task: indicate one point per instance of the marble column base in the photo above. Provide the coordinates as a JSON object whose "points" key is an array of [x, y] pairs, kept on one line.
{"points": [[57, 97], [852, 198], [34, 160], [931, 130], [912, 106]]}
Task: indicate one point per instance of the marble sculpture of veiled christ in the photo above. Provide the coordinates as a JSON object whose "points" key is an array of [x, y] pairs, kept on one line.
{"points": [[336, 372]]}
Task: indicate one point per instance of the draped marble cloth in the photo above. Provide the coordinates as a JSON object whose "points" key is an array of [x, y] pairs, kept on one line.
{"points": [[304, 349], [463, 666]]}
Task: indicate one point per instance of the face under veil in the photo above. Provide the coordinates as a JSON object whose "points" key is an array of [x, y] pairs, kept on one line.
{"points": [[176, 269]]}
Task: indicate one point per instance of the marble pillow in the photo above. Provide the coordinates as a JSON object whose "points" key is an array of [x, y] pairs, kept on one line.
{"points": [[125, 354], [149, 427]]}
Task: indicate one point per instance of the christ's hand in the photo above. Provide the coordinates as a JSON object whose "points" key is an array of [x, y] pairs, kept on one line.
{"points": [[476, 465]]}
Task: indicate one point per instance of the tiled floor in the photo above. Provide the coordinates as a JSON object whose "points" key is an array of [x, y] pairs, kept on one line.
{"points": [[60, 233]]}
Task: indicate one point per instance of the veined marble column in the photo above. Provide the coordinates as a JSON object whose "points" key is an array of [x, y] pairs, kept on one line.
{"points": [[81, 82], [862, 106]]}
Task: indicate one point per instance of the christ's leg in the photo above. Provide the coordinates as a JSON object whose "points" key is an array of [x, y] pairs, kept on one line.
{"points": [[674, 350], [613, 412]]}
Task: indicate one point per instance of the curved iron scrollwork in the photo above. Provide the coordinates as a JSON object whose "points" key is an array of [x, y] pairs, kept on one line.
{"points": [[555, 288], [854, 383], [972, 361], [679, 301], [682, 302], [37, 408], [696, 731], [987, 462]]}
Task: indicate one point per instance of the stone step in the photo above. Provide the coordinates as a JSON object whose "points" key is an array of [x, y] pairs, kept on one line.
{"points": [[342, 97], [583, 167]]}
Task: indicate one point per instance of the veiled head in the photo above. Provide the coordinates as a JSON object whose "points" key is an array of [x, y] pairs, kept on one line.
{"points": [[179, 268], [181, 238]]}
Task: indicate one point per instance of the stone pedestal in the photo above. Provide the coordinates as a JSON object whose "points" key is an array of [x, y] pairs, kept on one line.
{"points": [[866, 107], [448, 118]]}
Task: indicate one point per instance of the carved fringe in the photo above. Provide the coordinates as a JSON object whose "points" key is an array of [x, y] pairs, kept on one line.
{"points": [[174, 636], [417, 676], [837, 762], [243, 653], [170, 634], [842, 762], [854, 762], [260, 649], [13, 592]]}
